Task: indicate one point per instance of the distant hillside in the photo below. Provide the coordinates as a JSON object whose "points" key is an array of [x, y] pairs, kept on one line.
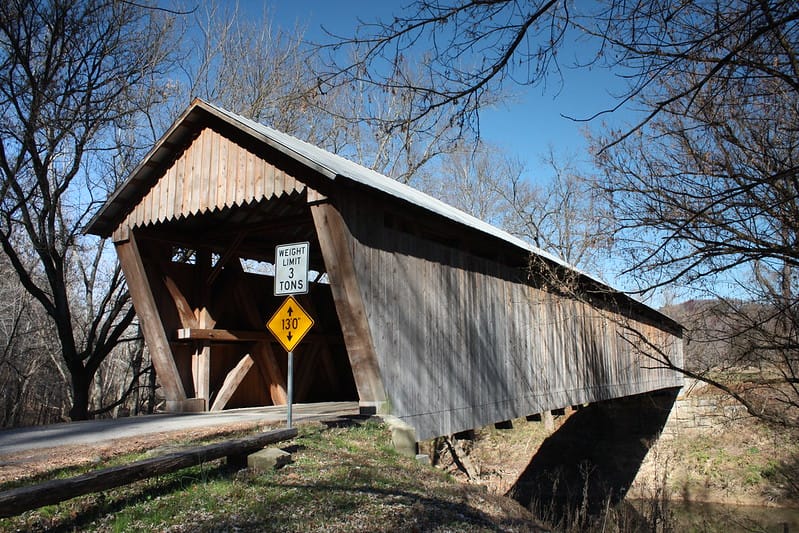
{"points": [[719, 333]]}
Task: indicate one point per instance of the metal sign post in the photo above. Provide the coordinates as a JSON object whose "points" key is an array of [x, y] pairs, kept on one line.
{"points": [[290, 387], [290, 322]]}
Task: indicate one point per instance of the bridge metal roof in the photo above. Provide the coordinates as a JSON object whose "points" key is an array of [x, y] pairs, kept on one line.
{"points": [[325, 163], [331, 165]]}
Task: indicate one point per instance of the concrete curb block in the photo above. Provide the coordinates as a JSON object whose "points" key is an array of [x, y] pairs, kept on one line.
{"points": [[403, 435], [268, 459]]}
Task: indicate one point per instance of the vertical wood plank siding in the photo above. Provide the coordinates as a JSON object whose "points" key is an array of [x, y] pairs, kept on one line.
{"points": [[211, 174], [450, 340], [462, 342]]}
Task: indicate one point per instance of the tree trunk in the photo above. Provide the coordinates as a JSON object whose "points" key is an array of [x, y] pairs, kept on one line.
{"points": [[151, 386], [80, 396]]}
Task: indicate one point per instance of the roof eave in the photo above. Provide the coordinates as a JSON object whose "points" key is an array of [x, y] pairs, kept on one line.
{"points": [[108, 217], [197, 115]]}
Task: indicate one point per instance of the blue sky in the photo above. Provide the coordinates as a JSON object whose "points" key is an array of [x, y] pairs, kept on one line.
{"points": [[525, 126]]}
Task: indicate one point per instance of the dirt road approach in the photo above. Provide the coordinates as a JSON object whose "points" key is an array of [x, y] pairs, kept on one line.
{"points": [[92, 432]]}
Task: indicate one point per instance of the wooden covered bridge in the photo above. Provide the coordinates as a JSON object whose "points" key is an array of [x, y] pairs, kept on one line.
{"points": [[421, 310]]}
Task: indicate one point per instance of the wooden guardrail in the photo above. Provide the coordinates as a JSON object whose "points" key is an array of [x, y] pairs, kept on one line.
{"points": [[19, 500]]}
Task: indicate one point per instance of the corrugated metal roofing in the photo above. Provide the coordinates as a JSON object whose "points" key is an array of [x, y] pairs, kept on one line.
{"points": [[332, 166], [335, 166]]}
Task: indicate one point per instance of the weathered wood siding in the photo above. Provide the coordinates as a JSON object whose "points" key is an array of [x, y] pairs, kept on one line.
{"points": [[463, 342], [447, 331], [212, 173]]}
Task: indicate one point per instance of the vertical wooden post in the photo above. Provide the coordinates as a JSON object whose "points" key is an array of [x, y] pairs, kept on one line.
{"points": [[149, 318], [333, 240], [201, 359], [201, 362]]}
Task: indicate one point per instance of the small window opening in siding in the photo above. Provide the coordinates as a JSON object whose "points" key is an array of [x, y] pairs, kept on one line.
{"points": [[252, 266], [183, 255]]}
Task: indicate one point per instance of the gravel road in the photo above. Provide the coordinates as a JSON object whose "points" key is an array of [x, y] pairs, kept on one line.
{"points": [[92, 432]]}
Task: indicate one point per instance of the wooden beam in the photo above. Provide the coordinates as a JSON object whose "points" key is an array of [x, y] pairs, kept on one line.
{"points": [[223, 230], [223, 335], [232, 382], [185, 312], [333, 241], [201, 372], [262, 352], [121, 234], [201, 362], [313, 196], [143, 301], [239, 335], [19, 500], [201, 359], [225, 257]]}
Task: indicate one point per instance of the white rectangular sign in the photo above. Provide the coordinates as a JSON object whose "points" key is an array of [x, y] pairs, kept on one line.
{"points": [[291, 268]]}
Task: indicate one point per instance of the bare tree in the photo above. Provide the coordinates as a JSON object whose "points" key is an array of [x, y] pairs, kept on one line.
{"points": [[472, 179], [556, 209], [72, 74], [468, 50], [471, 49], [361, 116], [703, 181], [25, 363], [707, 194], [270, 76], [246, 66], [561, 214]]}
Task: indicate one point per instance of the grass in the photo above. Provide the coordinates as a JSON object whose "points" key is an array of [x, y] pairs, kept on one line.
{"points": [[351, 479], [342, 479], [743, 461]]}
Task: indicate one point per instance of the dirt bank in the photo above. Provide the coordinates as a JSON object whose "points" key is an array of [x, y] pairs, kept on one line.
{"points": [[734, 459]]}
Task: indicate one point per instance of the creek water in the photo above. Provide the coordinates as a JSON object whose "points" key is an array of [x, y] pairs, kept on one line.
{"points": [[712, 517]]}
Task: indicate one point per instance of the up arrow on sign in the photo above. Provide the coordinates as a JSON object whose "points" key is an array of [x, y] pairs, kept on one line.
{"points": [[291, 268]]}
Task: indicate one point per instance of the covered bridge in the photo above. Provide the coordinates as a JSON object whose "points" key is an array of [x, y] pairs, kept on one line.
{"points": [[421, 310]]}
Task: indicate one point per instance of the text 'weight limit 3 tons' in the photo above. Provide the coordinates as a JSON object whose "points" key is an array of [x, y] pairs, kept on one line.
{"points": [[291, 268]]}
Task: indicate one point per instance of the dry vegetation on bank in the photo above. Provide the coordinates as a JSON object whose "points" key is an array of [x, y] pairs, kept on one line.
{"points": [[350, 479], [736, 459], [342, 479]]}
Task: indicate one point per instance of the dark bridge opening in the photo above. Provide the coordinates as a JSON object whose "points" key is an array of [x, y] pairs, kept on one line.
{"points": [[213, 278]]}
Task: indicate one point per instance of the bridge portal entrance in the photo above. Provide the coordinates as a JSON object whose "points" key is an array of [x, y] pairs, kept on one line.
{"points": [[212, 278]]}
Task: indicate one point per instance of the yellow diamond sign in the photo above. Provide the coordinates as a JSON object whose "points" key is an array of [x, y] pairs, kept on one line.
{"points": [[290, 323]]}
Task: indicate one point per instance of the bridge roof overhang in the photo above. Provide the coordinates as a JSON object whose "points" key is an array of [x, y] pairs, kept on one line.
{"points": [[323, 171]]}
